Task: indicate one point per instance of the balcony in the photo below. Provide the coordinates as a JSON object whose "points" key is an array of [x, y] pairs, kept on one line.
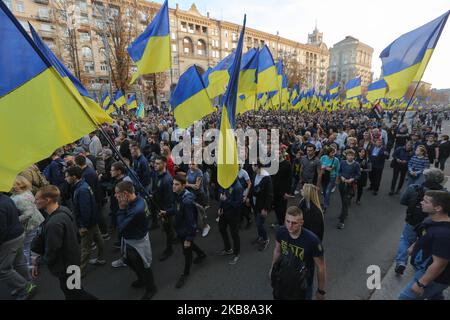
{"points": [[42, 1], [45, 18], [47, 34]]}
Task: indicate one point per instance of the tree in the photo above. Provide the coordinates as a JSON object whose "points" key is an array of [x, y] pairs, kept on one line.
{"points": [[295, 72]]}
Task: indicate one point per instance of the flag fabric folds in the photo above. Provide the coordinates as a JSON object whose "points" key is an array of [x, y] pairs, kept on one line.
{"points": [[227, 159], [190, 101], [140, 111], [119, 99], [353, 88], [151, 50], [105, 100], [34, 99], [376, 90], [71, 81], [216, 79], [334, 89], [247, 75], [131, 102], [405, 59], [266, 72]]}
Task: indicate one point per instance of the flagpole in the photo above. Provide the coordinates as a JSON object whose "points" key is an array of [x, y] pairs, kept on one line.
{"points": [[409, 103]]}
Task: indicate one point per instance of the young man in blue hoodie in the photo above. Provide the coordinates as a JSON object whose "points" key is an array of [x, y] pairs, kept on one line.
{"points": [[185, 213]]}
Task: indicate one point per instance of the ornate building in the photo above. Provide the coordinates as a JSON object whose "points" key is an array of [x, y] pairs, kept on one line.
{"points": [[349, 59], [196, 39]]}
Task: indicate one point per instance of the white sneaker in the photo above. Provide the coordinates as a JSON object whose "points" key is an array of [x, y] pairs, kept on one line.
{"points": [[118, 263], [206, 231], [234, 260]]}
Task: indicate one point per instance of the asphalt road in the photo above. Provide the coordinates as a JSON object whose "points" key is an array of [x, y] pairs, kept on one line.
{"points": [[370, 237]]}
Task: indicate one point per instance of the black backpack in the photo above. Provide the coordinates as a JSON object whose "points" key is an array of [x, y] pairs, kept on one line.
{"points": [[289, 278], [414, 213]]}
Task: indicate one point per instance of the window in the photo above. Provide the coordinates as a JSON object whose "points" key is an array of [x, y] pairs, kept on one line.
{"points": [[174, 47], [234, 36], [172, 23], [204, 30], [8, 4], [87, 52], [234, 45], [102, 52], [20, 6], [25, 25], [89, 67], [226, 34], [191, 28], [201, 48], [188, 46], [184, 26], [82, 5], [226, 45], [174, 36], [50, 44], [46, 27], [84, 20], [103, 66], [84, 36]]}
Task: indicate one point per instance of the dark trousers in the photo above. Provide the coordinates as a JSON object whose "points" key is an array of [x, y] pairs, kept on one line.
{"points": [[346, 192], [188, 255], [280, 208], [231, 220], [295, 182], [375, 178], [441, 163], [134, 261], [102, 223], [398, 171], [361, 184], [246, 213], [168, 230], [74, 294]]}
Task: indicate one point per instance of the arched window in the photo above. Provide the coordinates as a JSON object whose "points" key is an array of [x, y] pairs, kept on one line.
{"points": [[201, 48], [86, 52], [102, 52], [188, 46]]}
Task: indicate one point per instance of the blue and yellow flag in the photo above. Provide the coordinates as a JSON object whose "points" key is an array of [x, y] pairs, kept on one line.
{"points": [[71, 81], [140, 111], [38, 112], [131, 102], [190, 101], [151, 50], [266, 72], [334, 89], [119, 98], [353, 88], [216, 79], [405, 59], [227, 158], [376, 90], [104, 103], [247, 75]]}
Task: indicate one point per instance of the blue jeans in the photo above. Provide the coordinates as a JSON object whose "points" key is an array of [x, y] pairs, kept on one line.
{"points": [[407, 238], [415, 180], [433, 291], [29, 236], [295, 182], [327, 192], [260, 225]]}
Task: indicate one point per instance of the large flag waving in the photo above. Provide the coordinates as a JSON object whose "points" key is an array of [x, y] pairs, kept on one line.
{"points": [[190, 101], [227, 159], [131, 102], [353, 88], [151, 50], [267, 72], [376, 90], [38, 112], [216, 79], [71, 81], [405, 59]]}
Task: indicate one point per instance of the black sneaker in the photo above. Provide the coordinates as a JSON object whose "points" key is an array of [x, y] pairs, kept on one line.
{"points": [[138, 284], [340, 226], [148, 295], [199, 259], [400, 269], [165, 255], [181, 281]]}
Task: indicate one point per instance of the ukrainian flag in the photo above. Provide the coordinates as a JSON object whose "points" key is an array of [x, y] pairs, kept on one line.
{"points": [[266, 72], [247, 75], [405, 59], [71, 81], [105, 100], [38, 112], [119, 99], [284, 98], [227, 159], [334, 89], [376, 90], [245, 102], [151, 50], [190, 101], [131, 102], [140, 111], [353, 88], [217, 78]]}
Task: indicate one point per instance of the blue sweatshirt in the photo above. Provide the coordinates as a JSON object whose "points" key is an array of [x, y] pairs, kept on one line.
{"points": [[132, 222], [234, 194], [185, 213], [350, 171], [84, 205]]}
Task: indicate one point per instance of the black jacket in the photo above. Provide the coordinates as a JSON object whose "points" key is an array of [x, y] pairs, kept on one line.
{"points": [[313, 218], [57, 242], [263, 193], [185, 213], [85, 205], [282, 179], [10, 227]]}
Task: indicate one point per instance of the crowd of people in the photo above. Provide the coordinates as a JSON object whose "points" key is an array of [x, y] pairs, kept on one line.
{"points": [[118, 183]]}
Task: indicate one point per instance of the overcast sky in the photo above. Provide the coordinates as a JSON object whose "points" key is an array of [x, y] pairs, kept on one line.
{"points": [[376, 23]]}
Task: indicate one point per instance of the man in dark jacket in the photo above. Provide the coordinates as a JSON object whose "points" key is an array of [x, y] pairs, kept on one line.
{"points": [[132, 221], [13, 265], [400, 161], [281, 187], [377, 158], [57, 242], [85, 209], [140, 165], [163, 198], [185, 213], [412, 198], [230, 214], [55, 171]]}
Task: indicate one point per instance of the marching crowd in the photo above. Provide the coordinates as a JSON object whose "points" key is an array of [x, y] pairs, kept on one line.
{"points": [[117, 184]]}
